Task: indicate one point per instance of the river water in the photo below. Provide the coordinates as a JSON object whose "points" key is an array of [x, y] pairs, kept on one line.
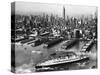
{"points": [[89, 64], [39, 54]]}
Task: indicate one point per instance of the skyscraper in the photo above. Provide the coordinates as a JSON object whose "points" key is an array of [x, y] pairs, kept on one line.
{"points": [[64, 12]]}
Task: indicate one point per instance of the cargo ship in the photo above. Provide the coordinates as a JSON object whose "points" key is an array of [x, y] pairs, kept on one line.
{"points": [[53, 42], [69, 44]]}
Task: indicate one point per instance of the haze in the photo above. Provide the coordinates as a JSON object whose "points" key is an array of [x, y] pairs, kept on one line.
{"points": [[56, 9]]}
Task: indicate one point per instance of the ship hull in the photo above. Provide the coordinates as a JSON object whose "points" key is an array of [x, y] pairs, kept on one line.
{"points": [[58, 64]]}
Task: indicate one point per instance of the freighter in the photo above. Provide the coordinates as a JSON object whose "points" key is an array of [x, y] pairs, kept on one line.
{"points": [[70, 43]]}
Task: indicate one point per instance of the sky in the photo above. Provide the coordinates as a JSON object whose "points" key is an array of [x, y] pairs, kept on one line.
{"points": [[56, 9]]}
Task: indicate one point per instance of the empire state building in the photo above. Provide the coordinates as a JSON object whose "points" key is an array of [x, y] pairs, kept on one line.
{"points": [[63, 12]]}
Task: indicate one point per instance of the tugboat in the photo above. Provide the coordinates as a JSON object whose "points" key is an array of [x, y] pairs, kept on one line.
{"points": [[62, 60]]}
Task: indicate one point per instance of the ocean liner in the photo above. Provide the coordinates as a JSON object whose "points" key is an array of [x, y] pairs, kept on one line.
{"points": [[60, 60]]}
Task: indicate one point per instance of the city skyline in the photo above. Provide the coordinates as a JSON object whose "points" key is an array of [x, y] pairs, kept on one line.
{"points": [[55, 9]]}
